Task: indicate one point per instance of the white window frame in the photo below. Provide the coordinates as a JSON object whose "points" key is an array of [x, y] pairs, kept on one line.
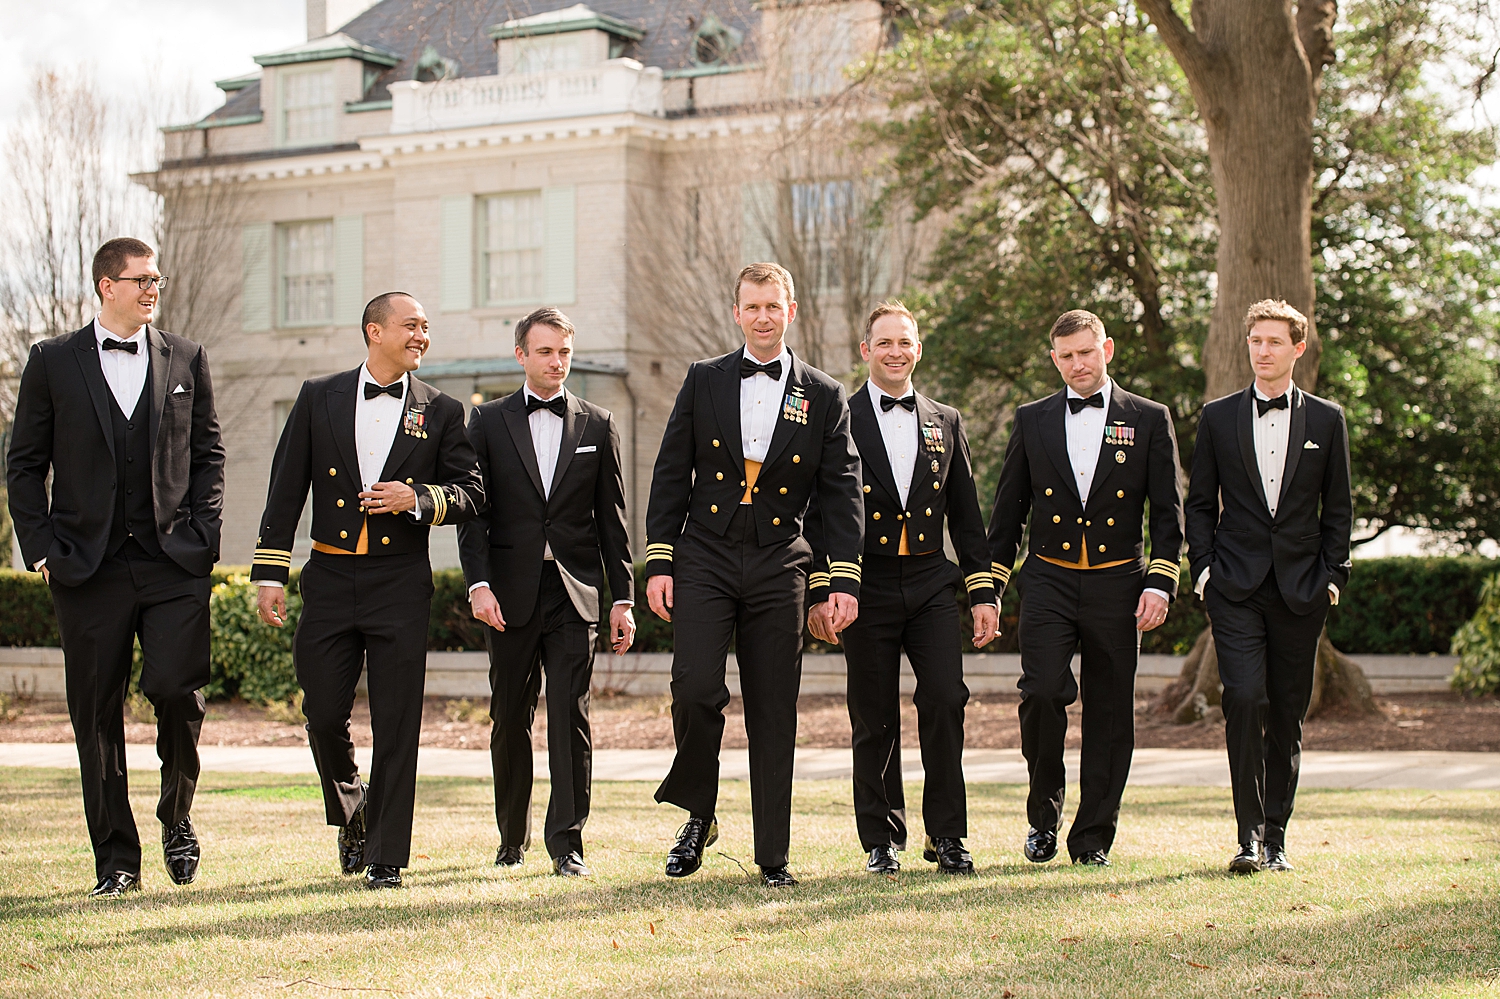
{"points": [[536, 250], [284, 276], [287, 81]]}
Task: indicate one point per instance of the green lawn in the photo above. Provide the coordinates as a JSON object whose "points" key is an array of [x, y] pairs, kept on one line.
{"points": [[1395, 895]]}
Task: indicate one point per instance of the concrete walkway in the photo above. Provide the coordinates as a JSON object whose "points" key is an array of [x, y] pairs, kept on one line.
{"points": [[1430, 771]]}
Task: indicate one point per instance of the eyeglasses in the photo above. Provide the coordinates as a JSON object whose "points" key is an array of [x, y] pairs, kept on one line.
{"points": [[145, 281]]}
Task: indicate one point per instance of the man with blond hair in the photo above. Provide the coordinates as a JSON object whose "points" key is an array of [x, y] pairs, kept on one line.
{"points": [[754, 435], [1268, 520]]}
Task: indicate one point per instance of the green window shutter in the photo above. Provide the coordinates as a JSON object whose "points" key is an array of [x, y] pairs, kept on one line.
{"points": [[349, 269], [560, 256], [757, 221], [457, 253], [255, 270]]}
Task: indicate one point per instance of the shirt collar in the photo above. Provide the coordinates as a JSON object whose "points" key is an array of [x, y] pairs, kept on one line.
{"points": [[1106, 390], [365, 376], [562, 393], [1288, 393], [100, 333]]}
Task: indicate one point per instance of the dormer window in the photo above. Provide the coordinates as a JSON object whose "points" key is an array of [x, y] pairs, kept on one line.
{"points": [[563, 40], [308, 107], [713, 41]]}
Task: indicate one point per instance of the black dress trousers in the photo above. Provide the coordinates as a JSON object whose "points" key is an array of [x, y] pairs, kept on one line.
{"points": [[1092, 612], [556, 641], [134, 595], [366, 611], [733, 587], [1266, 658], [906, 602]]}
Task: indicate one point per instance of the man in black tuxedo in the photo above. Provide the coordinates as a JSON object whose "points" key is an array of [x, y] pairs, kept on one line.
{"points": [[1083, 463], [122, 415], [387, 460], [914, 460], [536, 565], [752, 436], [1268, 520]]}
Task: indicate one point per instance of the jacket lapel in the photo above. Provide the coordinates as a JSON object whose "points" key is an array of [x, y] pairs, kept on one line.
{"points": [[928, 415], [93, 377], [418, 395], [573, 425], [1245, 424], [865, 426], [1121, 410], [795, 379], [726, 397], [514, 410], [159, 370], [1054, 429], [341, 419], [1295, 438]]}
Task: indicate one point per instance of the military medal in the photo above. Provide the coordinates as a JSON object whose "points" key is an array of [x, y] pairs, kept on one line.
{"points": [[932, 436], [415, 423], [795, 406], [1120, 457], [1119, 435], [934, 466]]}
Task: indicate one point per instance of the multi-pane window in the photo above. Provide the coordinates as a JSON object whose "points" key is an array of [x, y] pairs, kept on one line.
{"points": [[818, 47], [548, 55], [308, 107], [307, 272], [821, 215], [512, 241]]}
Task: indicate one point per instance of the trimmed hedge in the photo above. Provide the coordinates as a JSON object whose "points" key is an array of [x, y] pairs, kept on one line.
{"points": [[1477, 645]]}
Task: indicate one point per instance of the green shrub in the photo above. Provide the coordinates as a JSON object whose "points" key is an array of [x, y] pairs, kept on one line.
{"points": [[1407, 606], [26, 616], [1477, 645], [249, 658]]}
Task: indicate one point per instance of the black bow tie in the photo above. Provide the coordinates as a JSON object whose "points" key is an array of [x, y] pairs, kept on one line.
{"points": [[558, 404], [749, 369], [909, 403], [1263, 406], [394, 390], [1075, 404], [128, 346]]}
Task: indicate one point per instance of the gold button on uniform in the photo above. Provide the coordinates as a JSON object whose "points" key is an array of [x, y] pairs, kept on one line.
{"points": [[1110, 522], [1119, 494], [1088, 523], [755, 489], [333, 471], [1101, 548], [867, 488], [883, 539], [935, 485], [1066, 546], [1080, 520], [742, 483], [875, 515], [713, 509], [1056, 519], [1049, 492], [408, 481], [796, 458], [719, 475], [343, 534], [898, 516], [341, 502], [385, 541], [929, 511], [776, 521], [783, 490], [716, 443], [921, 537]]}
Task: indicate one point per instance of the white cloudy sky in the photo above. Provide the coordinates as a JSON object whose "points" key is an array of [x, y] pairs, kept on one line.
{"points": [[133, 45]]}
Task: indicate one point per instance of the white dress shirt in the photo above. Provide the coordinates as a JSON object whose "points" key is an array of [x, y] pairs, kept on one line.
{"points": [[375, 424], [1085, 439], [760, 406], [124, 373], [898, 429]]}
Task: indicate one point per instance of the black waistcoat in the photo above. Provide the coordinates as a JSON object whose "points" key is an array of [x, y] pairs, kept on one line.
{"points": [[134, 514]]}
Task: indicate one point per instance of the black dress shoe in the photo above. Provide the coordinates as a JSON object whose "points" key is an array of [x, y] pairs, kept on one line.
{"points": [[510, 856], [1094, 858], [949, 854], [352, 838], [1247, 861], [883, 861], [571, 865], [686, 855], [383, 876], [1276, 858], [179, 846], [116, 884], [1041, 845], [777, 877]]}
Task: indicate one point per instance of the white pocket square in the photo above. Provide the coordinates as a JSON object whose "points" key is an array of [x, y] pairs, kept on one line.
{"points": [[586, 450], [1309, 446], [179, 388]]}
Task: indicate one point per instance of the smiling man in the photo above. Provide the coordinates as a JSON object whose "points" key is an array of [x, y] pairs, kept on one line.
{"points": [[387, 460], [1083, 464]]}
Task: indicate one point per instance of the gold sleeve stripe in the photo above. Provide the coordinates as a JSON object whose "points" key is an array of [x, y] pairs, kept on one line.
{"points": [[1000, 573], [439, 504], [272, 556], [1164, 567], [819, 579], [979, 579], [660, 552], [844, 570]]}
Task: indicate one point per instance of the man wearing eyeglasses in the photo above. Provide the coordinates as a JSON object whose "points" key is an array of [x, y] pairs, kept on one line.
{"points": [[122, 416]]}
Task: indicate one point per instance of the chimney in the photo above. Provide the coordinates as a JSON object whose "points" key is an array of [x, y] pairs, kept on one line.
{"points": [[324, 17]]}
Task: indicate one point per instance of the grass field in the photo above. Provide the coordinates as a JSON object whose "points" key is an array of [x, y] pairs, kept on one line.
{"points": [[1396, 894]]}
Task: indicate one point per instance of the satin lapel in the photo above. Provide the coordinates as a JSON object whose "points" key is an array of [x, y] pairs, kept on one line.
{"points": [[865, 427], [1245, 426], [514, 410], [1054, 430], [1295, 438], [341, 420], [573, 426], [93, 377], [1121, 410], [782, 435], [725, 383], [418, 394], [160, 369]]}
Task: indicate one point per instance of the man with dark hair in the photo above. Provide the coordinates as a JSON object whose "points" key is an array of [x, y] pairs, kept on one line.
{"points": [[536, 566], [754, 434], [1268, 520], [122, 416], [1083, 464], [387, 460]]}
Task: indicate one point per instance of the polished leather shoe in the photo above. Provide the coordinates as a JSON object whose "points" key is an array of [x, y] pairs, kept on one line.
{"points": [[883, 861], [571, 865], [1248, 860], [179, 846], [510, 856], [352, 838], [1041, 845], [686, 855], [383, 876], [1094, 858], [1276, 858], [116, 884], [949, 854], [777, 877]]}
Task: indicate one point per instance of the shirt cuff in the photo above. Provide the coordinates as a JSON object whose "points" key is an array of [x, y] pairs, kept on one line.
{"points": [[483, 582], [631, 603], [269, 582], [38, 566], [1333, 595], [1202, 581], [1160, 593]]}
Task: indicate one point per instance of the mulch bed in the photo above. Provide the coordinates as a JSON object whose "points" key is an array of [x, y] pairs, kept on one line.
{"points": [[1411, 721]]}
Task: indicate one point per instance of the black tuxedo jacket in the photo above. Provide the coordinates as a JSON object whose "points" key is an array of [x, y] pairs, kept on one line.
{"points": [[700, 469], [62, 424], [1137, 463], [1308, 540], [583, 520], [942, 487], [430, 453]]}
